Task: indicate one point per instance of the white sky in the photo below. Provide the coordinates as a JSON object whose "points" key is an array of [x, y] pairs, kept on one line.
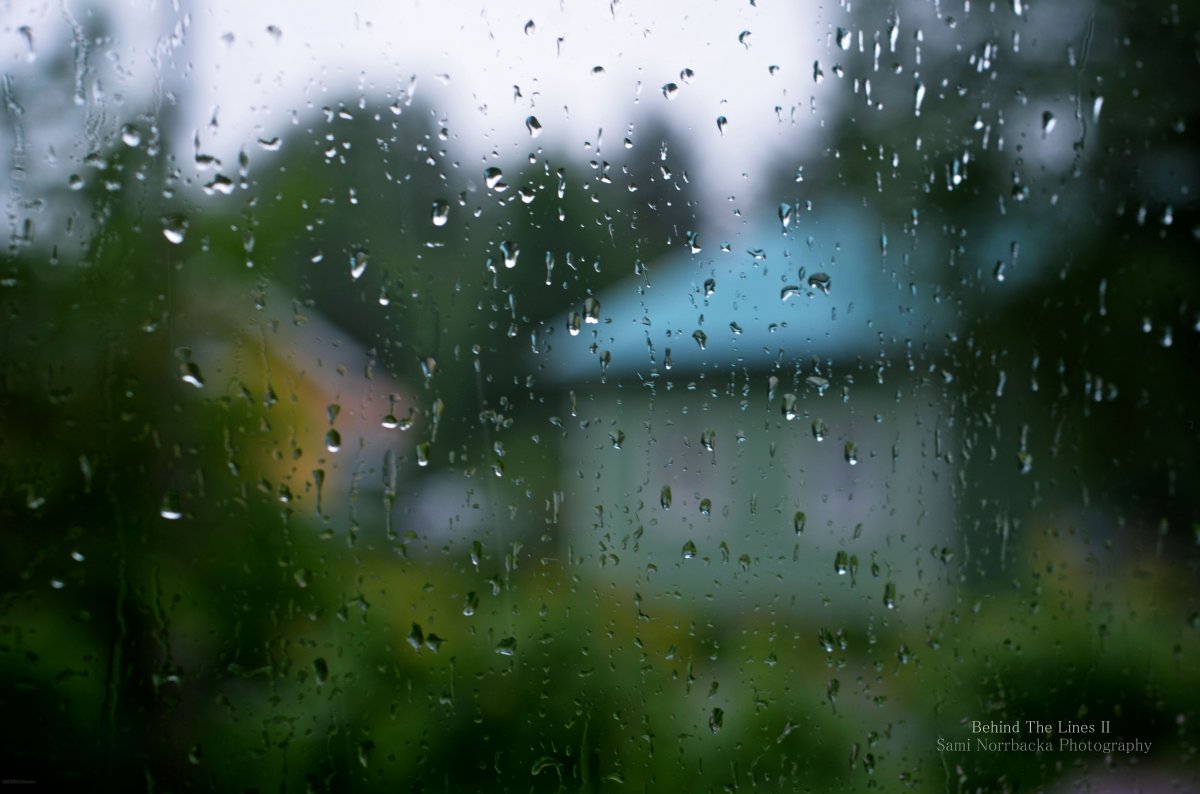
{"points": [[467, 58]]}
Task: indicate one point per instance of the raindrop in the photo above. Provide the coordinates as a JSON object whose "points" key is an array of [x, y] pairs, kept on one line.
{"points": [[841, 563], [721, 122], [416, 637], [492, 177], [789, 291], [785, 215], [320, 671], [617, 438], [819, 429], [534, 126], [591, 310], [706, 507], [670, 90], [440, 212], [664, 497], [530, 28], [851, 453], [189, 373], [175, 228], [688, 551], [710, 286], [507, 646], [843, 38], [889, 595], [511, 251], [686, 75], [470, 604], [171, 509], [708, 440], [423, 454], [799, 521], [789, 407], [820, 281], [131, 136], [700, 337], [1048, 123], [744, 39], [693, 241], [918, 97], [333, 440], [358, 264], [716, 720]]}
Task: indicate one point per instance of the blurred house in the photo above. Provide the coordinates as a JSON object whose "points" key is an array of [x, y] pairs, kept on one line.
{"points": [[334, 436], [761, 422]]}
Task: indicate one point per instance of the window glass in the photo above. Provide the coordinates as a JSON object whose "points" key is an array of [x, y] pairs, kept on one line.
{"points": [[601, 396]]}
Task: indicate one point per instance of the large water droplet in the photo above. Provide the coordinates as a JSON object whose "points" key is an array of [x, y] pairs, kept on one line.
{"points": [[175, 228], [510, 251], [670, 91], [171, 509], [492, 177], [534, 126], [799, 521], [785, 215], [820, 281], [843, 38], [700, 337], [440, 212], [688, 551], [664, 497]]}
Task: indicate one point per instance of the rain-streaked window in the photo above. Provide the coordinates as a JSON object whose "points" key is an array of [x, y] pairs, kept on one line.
{"points": [[599, 396]]}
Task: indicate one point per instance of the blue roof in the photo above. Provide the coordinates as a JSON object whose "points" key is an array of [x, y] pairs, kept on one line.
{"points": [[827, 288]]}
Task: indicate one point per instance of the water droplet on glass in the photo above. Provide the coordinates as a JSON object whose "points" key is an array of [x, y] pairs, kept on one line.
{"points": [[819, 429], [470, 604], [617, 438], [708, 440], [510, 251], [664, 497], [534, 126], [358, 264], [785, 215], [700, 337], [507, 646], [789, 291], [333, 440], [721, 122], [591, 310], [744, 39], [841, 563], [189, 373], [440, 213], [693, 241], [716, 720], [320, 671], [670, 90], [799, 521], [175, 228], [843, 38], [789, 407], [171, 509], [492, 177], [820, 281], [530, 28], [851, 453], [706, 507], [688, 551], [423, 454], [131, 136], [918, 97], [889, 595], [574, 323], [1048, 123]]}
